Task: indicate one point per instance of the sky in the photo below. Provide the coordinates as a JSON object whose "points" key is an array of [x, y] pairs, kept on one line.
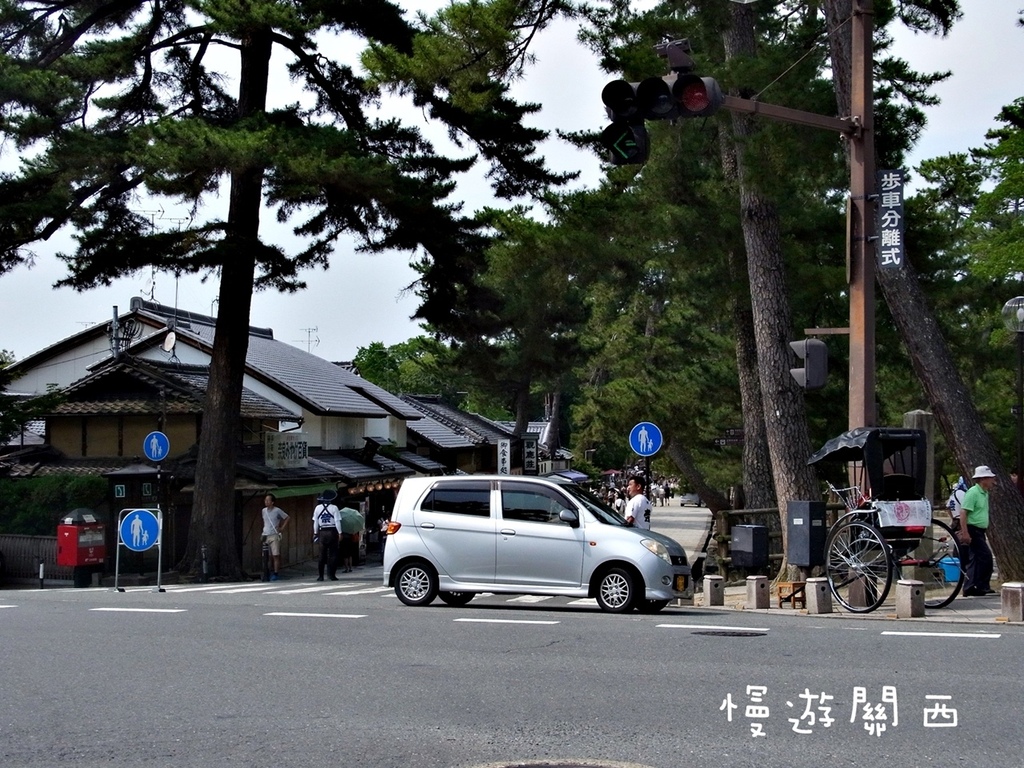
{"points": [[363, 299]]}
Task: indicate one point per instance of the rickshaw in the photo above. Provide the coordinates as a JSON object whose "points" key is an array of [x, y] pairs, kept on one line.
{"points": [[887, 530]]}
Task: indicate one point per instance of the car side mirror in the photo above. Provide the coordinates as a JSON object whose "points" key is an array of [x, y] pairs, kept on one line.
{"points": [[568, 516]]}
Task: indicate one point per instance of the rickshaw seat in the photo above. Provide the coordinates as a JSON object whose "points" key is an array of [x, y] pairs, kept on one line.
{"points": [[897, 487]]}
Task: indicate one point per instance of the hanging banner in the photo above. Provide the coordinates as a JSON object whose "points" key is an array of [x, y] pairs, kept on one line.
{"points": [[889, 244], [504, 457]]}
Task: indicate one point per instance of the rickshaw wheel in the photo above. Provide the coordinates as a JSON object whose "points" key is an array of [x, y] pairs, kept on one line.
{"points": [[858, 564], [937, 563]]}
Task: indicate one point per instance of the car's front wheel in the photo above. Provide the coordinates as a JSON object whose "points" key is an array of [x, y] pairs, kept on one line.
{"points": [[455, 598], [616, 591], [416, 584]]}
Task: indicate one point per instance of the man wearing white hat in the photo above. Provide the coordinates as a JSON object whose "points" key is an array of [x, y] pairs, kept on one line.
{"points": [[973, 532]]}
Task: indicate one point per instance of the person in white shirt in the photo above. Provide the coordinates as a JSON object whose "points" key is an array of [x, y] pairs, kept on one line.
{"points": [[327, 530], [274, 521], [638, 508]]}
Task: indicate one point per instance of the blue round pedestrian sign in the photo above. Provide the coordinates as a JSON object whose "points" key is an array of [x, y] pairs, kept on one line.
{"points": [[139, 530], [156, 446], [645, 439]]}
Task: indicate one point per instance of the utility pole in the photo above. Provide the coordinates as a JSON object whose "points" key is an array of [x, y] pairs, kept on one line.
{"points": [[861, 238]]}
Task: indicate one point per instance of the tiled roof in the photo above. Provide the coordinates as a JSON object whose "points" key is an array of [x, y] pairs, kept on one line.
{"points": [[448, 427], [321, 386], [131, 386], [423, 464]]}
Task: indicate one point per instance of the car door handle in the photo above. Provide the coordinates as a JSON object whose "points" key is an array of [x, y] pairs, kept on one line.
{"points": [[507, 532], [426, 525]]}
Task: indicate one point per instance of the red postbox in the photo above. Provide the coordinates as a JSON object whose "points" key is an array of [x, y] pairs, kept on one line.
{"points": [[80, 539]]}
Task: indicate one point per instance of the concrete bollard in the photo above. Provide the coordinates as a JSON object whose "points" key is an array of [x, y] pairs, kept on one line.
{"points": [[714, 590], [819, 596], [758, 595], [909, 599], [1012, 599]]}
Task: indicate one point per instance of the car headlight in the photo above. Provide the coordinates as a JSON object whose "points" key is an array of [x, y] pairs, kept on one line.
{"points": [[657, 548]]}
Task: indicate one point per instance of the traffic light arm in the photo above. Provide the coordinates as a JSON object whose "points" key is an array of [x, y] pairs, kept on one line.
{"points": [[787, 115]]}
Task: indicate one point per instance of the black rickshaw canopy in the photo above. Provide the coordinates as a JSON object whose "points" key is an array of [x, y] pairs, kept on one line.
{"points": [[893, 459]]}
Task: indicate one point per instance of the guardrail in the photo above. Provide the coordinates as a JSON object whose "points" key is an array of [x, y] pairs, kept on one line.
{"points": [[22, 554]]}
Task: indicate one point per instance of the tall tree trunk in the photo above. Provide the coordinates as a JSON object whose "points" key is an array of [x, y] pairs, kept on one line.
{"points": [[758, 486], [954, 411], [213, 508], [783, 412]]}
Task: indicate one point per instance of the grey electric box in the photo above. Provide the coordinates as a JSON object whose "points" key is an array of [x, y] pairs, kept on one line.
{"points": [[805, 533], [749, 548]]}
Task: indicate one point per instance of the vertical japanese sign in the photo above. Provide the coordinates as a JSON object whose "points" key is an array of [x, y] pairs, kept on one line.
{"points": [[504, 457], [890, 220], [529, 456]]}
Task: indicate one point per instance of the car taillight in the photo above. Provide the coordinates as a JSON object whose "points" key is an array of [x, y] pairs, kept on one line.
{"points": [[393, 527]]}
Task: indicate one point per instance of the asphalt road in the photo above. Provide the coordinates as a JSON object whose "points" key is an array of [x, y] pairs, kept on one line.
{"points": [[299, 674]]}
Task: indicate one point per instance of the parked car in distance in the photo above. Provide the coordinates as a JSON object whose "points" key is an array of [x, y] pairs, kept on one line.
{"points": [[690, 498], [453, 537]]}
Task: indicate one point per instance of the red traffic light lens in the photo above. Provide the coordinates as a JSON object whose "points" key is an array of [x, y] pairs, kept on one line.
{"points": [[697, 96], [694, 96]]}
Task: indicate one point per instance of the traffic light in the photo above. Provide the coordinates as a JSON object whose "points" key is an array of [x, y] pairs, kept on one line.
{"points": [[814, 353], [655, 98], [626, 138], [697, 96]]}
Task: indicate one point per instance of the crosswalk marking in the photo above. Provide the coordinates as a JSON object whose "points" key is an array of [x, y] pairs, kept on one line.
{"points": [[530, 599], [306, 590], [371, 591], [588, 601], [242, 590]]}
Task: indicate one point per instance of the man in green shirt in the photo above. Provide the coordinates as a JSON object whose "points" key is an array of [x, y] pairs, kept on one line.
{"points": [[973, 531]]}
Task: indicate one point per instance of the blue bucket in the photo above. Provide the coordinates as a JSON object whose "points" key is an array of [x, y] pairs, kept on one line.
{"points": [[950, 568]]}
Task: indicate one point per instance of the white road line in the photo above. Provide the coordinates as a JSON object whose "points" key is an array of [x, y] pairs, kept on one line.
{"points": [[584, 601], [304, 590], [242, 590], [712, 626], [530, 599], [8, 606], [985, 635], [370, 591], [505, 621], [185, 588], [141, 610], [319, 615]]}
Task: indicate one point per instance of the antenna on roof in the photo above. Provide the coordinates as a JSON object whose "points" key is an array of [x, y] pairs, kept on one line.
{"points": [[312, 340]]}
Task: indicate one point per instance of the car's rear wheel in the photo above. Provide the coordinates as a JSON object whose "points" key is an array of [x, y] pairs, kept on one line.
{"points": [[651, 606], [616, 591], [416, 584], [455, 598]]}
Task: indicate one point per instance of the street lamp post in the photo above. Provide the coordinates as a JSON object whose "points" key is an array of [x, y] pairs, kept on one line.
{"points": [[1013, 319]]}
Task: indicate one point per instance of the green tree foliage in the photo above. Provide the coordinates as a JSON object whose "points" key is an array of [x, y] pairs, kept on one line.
{"points": [[110, 100], [33, 506]]}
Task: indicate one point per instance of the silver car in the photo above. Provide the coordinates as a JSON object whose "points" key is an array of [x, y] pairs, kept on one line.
{"points": [[453, 537]]}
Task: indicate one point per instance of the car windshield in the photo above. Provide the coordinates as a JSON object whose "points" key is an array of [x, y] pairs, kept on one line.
{"points": [[603, 513]]}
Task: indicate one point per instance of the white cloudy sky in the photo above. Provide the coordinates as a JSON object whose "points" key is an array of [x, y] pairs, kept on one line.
{"points": [[361, 299]]}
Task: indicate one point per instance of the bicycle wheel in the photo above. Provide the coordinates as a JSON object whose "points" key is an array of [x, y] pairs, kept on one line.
{"points": [[936, 563], [858, 565]]}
